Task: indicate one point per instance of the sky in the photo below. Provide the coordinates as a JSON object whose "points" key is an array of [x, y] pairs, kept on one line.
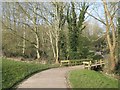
{"points": [[96, 9]]}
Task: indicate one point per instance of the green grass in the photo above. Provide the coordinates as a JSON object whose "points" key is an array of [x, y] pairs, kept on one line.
{"points": [[13, 71], [90, 79]]}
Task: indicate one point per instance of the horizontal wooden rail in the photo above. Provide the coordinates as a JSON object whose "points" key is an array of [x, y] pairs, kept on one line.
{"points": [[72, 62], [90, 65]]}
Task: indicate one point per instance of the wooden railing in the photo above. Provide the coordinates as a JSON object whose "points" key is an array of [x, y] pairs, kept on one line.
{"points": [[72, 62], [90, 64]]}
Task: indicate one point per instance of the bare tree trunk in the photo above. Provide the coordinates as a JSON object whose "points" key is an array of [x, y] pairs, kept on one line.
{"points": [[56, 27], [36, 33], [23, 50], [57, 49], [37, 43], [37, 46], [111, 41], [112, 57], [51, 41]]}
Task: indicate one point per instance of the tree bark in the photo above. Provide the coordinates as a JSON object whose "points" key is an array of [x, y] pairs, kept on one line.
{"points": [[57, 49], [36, 33], [111, 41], [51, 41], [37, 46], [23, 50]]}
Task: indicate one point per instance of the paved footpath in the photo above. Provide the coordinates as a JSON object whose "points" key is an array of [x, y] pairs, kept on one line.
{"points": [[52, 78]]}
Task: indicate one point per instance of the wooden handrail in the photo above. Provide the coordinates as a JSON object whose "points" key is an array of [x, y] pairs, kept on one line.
{"points": [[70, 62], [90, 64]]}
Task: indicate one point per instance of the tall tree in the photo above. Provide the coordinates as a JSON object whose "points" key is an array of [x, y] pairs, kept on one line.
{"points": [[55, 21], [110, 9], [62, 38], [75, 26], [24, 17], [59, 21], [110, 27]]}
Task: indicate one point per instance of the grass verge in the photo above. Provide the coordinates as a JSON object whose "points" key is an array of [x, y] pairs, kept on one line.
{"points": [[13, 71], [90, 79]]}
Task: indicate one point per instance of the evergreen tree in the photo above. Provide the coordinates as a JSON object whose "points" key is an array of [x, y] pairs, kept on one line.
{"points": [[75, 28]]}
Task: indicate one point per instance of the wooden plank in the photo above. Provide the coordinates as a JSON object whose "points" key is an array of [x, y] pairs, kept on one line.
{"points": [[85, 62], [62, 61]]}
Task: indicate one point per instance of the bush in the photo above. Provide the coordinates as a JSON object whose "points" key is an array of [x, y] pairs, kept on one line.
{"points": [[74, 55], [117, 69], [97, 57]]}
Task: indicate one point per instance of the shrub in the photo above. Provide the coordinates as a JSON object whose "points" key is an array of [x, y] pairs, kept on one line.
{"points": [[97, 57]]}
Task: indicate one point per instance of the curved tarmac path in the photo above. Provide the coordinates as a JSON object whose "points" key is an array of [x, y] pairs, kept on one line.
{"points": [[52, 78]]}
